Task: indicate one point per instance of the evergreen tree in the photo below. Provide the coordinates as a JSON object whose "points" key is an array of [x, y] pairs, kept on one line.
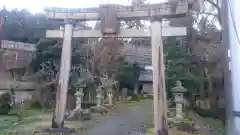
{"points": [[177, 65]]}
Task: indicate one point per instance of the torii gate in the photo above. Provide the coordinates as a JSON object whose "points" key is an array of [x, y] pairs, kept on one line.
{"points": [[109, 16]]}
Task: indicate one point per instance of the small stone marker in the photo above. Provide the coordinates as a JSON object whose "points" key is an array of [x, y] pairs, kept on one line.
{"points": [[110, 98]]}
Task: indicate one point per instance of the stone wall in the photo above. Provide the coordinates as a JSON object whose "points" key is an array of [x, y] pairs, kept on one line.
{"points": [[7, 84], [21, 95]]}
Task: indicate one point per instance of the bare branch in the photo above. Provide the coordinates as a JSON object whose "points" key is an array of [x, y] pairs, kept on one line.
{"points": [[214, 4]]}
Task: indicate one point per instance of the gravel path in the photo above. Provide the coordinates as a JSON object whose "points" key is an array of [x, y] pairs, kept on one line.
{"points": [[132, 121]]}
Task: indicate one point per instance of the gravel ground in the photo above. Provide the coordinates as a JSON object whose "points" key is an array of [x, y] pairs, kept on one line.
{"points": [[132, 121]]}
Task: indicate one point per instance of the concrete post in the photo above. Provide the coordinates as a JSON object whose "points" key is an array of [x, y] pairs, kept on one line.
{"points": [[99, 97], [64, 75], [110, 98], [98, 100], [234, 36], [227, 72]]}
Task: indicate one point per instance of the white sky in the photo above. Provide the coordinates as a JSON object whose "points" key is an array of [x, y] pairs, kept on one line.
{"points": [[38, 5]]}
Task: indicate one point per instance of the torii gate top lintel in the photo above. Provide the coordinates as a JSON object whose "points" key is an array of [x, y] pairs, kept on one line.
{"points": [[143, 11], [110, 14]]}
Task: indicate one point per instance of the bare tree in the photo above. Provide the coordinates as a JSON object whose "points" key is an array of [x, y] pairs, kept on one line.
{"points": [[205, 42]]}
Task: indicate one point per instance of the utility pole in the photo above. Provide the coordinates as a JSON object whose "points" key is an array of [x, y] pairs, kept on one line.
{"points": [[1, 28], [234, 35], [226, 66]]}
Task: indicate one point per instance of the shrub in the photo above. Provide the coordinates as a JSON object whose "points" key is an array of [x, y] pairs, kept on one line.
{"points": [[5, 103], [172, 105], [206, 112], [36, 105], [187, 128], [135, 98], [188, 121], [212, 113], [88, 105]]}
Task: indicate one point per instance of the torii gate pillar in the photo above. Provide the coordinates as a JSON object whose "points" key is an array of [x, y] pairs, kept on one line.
{"points": [[160, 105], [65, 67]]}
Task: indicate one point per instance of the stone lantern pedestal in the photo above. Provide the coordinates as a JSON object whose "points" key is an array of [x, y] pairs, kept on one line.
{"points": [[178, 93], [75, 114], [99, 96], [79, 96]]}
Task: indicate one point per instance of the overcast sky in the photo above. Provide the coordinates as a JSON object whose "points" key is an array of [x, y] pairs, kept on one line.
{"points": [[36, 6]]}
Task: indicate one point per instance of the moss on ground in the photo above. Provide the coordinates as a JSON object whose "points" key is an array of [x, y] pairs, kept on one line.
{"points": [[11, 121], [173, 132]]}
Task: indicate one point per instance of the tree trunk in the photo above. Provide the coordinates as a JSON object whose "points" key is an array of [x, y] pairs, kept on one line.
{"points": [[212, 93], [202, 85], [209, 80], [210, 84], [39, 97], [213, 99]]}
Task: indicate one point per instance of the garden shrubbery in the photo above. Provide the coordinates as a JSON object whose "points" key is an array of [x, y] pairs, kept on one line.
{"points": [[5, 103], [211, 113], [135, 98], [88, 105]]}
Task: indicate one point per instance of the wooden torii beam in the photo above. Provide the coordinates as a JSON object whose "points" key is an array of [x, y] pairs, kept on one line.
{"points": [[108, 29]]}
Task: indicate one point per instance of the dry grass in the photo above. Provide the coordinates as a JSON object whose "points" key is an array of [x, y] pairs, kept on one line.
{"points": [[45, 119], [123, 105]]}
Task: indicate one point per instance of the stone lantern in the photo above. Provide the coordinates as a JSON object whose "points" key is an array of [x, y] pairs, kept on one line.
{"points": [[79, 95], [178, 93]]}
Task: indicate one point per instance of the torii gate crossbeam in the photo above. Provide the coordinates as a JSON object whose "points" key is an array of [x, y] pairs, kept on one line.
{"points": [[133, 33]]}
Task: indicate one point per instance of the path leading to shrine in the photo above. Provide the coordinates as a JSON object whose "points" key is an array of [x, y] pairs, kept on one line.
{"points": [[133, 121], [129, 122]]}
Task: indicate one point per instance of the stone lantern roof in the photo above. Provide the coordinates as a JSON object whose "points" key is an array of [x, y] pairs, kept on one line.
{"points": [[179, 88]]}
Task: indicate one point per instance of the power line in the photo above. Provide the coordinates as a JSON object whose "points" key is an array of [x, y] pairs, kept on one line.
{"points": [[233, 21]]}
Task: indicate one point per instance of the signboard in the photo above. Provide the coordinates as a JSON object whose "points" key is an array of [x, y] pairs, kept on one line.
{"points": [[5, 44]]}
